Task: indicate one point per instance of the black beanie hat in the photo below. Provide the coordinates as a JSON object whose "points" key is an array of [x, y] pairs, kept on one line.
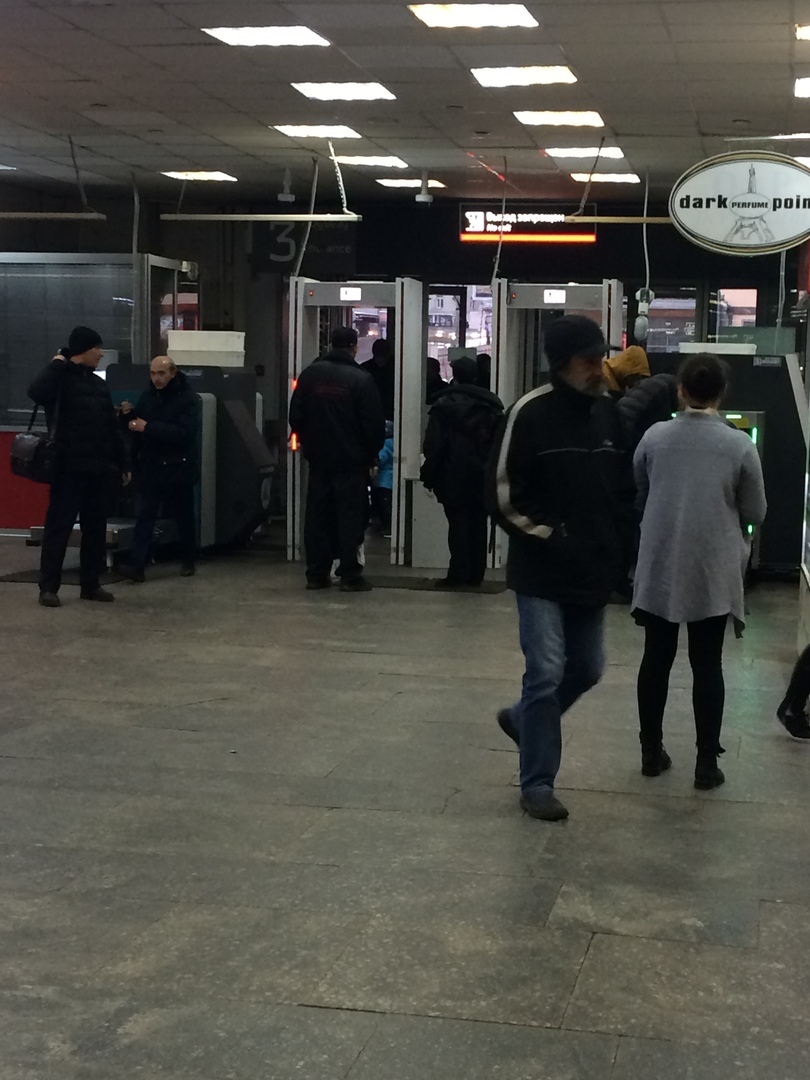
{"points": [[344, 337], [82, 338], [573, 335], [465, 369]]}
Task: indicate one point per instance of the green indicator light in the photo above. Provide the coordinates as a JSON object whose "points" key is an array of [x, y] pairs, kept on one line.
{"points": [[755, 435], [750, 530]]}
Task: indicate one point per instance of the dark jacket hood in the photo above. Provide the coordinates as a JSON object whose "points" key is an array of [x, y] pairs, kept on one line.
{"points": [[339, 356], [468, 391]]}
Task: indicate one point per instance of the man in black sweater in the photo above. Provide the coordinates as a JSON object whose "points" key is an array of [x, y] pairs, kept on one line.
{"points": [[561, 486], [90, 456], [164, 427], [335, 411]]}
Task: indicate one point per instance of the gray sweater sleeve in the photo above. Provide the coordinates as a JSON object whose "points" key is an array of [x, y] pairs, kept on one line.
{"points": [[641, 474], [751, 488]]}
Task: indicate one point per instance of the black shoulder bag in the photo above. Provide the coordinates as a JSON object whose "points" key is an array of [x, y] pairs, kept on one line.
{"points": [[33, 453]]}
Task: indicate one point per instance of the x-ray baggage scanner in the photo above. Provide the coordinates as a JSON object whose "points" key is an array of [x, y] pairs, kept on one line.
{"points": [[309, 302], [522, 312]]}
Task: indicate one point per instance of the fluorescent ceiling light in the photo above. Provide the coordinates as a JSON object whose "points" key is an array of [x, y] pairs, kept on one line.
{"points": [[801, 88], [265, 35], [591, 152], [561, 119], [318, 131], [803, 33], [523, 76], [448, 16], [199, 176], [378, 162], [348, 91], [409, 183], [606, 178], [8, 168]]}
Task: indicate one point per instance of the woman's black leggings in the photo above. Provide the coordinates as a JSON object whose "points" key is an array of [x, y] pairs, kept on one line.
{"points": [[799, 689], [708, 688]]}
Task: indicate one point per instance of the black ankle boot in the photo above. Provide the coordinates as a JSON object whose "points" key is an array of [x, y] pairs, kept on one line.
{"points": [[707, 775], [654, 762]]}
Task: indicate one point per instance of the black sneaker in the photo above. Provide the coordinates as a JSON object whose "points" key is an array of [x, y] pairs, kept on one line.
{"points": [[319, 583], [133, 573], [545, 806], [49, 599], [504, 718], [448, 583], [708, 776], [654, 762], [188, 569], [101, 596], [359, 584], [794, 723]]}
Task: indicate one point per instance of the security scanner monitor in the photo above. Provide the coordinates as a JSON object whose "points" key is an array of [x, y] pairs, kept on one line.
{"points": [[394, 310], [766, 398]]}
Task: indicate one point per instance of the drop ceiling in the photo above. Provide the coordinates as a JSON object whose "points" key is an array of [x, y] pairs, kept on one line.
{"points": [[141, 89]]}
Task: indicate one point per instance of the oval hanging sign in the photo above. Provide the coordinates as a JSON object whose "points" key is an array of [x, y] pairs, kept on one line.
{"points": [[751, 203]]}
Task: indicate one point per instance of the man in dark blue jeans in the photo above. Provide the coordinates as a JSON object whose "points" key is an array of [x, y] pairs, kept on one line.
{"points": [[560, 485]]}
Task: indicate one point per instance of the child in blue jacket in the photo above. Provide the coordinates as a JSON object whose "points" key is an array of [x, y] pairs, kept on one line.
{"points": [[382, 484]]}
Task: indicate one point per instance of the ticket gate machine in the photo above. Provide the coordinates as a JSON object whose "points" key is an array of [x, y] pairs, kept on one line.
{"points": [[308, 300], [520, 314]]}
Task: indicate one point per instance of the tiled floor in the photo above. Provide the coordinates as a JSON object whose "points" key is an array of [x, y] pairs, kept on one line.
{"points": [[255, 833]]}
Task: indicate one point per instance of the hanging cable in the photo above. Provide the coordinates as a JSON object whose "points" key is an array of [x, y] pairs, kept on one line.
{"points": [[780, 314], [82, 192], [644, 231], [313, 195], [182, 193], [339, 175], [138, 284], [587, 191], [496, 268]]}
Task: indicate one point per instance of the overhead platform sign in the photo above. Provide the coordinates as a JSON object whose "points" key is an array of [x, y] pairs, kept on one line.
{"points": [[523, 223], [750, 203]]}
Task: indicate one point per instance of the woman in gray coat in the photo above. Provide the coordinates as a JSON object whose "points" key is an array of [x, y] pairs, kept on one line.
{"points": [[699, 486]]}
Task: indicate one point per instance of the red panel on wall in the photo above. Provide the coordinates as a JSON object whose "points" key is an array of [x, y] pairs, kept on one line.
{"points": [[22, 502]]}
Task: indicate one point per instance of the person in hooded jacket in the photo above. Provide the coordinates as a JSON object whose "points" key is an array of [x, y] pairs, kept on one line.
{"points": [[336, 412], [90, 454], [164, 428], [461, 429]]}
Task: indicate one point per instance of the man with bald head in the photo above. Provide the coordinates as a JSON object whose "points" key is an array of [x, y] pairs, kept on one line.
{"points": [[164, 427]]}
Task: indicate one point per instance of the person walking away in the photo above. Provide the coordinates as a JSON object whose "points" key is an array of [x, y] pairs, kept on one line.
{"points": [[434, 383], [792, 713], [335, 411], [382, 482], [461, 429], [90, 454], [699, 486], [560, 484], [164, 427], [381, 368]]}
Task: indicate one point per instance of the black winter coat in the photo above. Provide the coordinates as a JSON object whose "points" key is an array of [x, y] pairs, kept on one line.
{"points": [[384, 377], [560, 483], [461, 428], [87, 435], [165, 452], [336, 412], [649, 402]]}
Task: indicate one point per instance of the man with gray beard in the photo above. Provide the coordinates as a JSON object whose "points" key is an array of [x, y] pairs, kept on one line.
{"points": [[560, 484]]}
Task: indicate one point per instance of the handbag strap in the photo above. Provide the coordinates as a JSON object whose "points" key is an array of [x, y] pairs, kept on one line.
{"points": [[32, 421]]}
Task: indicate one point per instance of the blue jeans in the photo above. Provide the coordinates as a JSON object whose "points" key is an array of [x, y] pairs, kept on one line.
{"points": [[564, 649]]}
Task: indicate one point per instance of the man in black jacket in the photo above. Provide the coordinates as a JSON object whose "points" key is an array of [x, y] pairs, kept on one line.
{"points": [[381, 368], [461, 428], [164, 426], [90, 453], [337, 415], [561, 486]]}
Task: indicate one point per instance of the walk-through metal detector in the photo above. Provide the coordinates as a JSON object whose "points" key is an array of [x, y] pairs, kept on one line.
{"points": [[520, 315], [308, 299]]}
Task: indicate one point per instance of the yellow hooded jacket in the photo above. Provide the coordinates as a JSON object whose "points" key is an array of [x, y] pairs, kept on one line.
{"points": [[616, 369]]}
